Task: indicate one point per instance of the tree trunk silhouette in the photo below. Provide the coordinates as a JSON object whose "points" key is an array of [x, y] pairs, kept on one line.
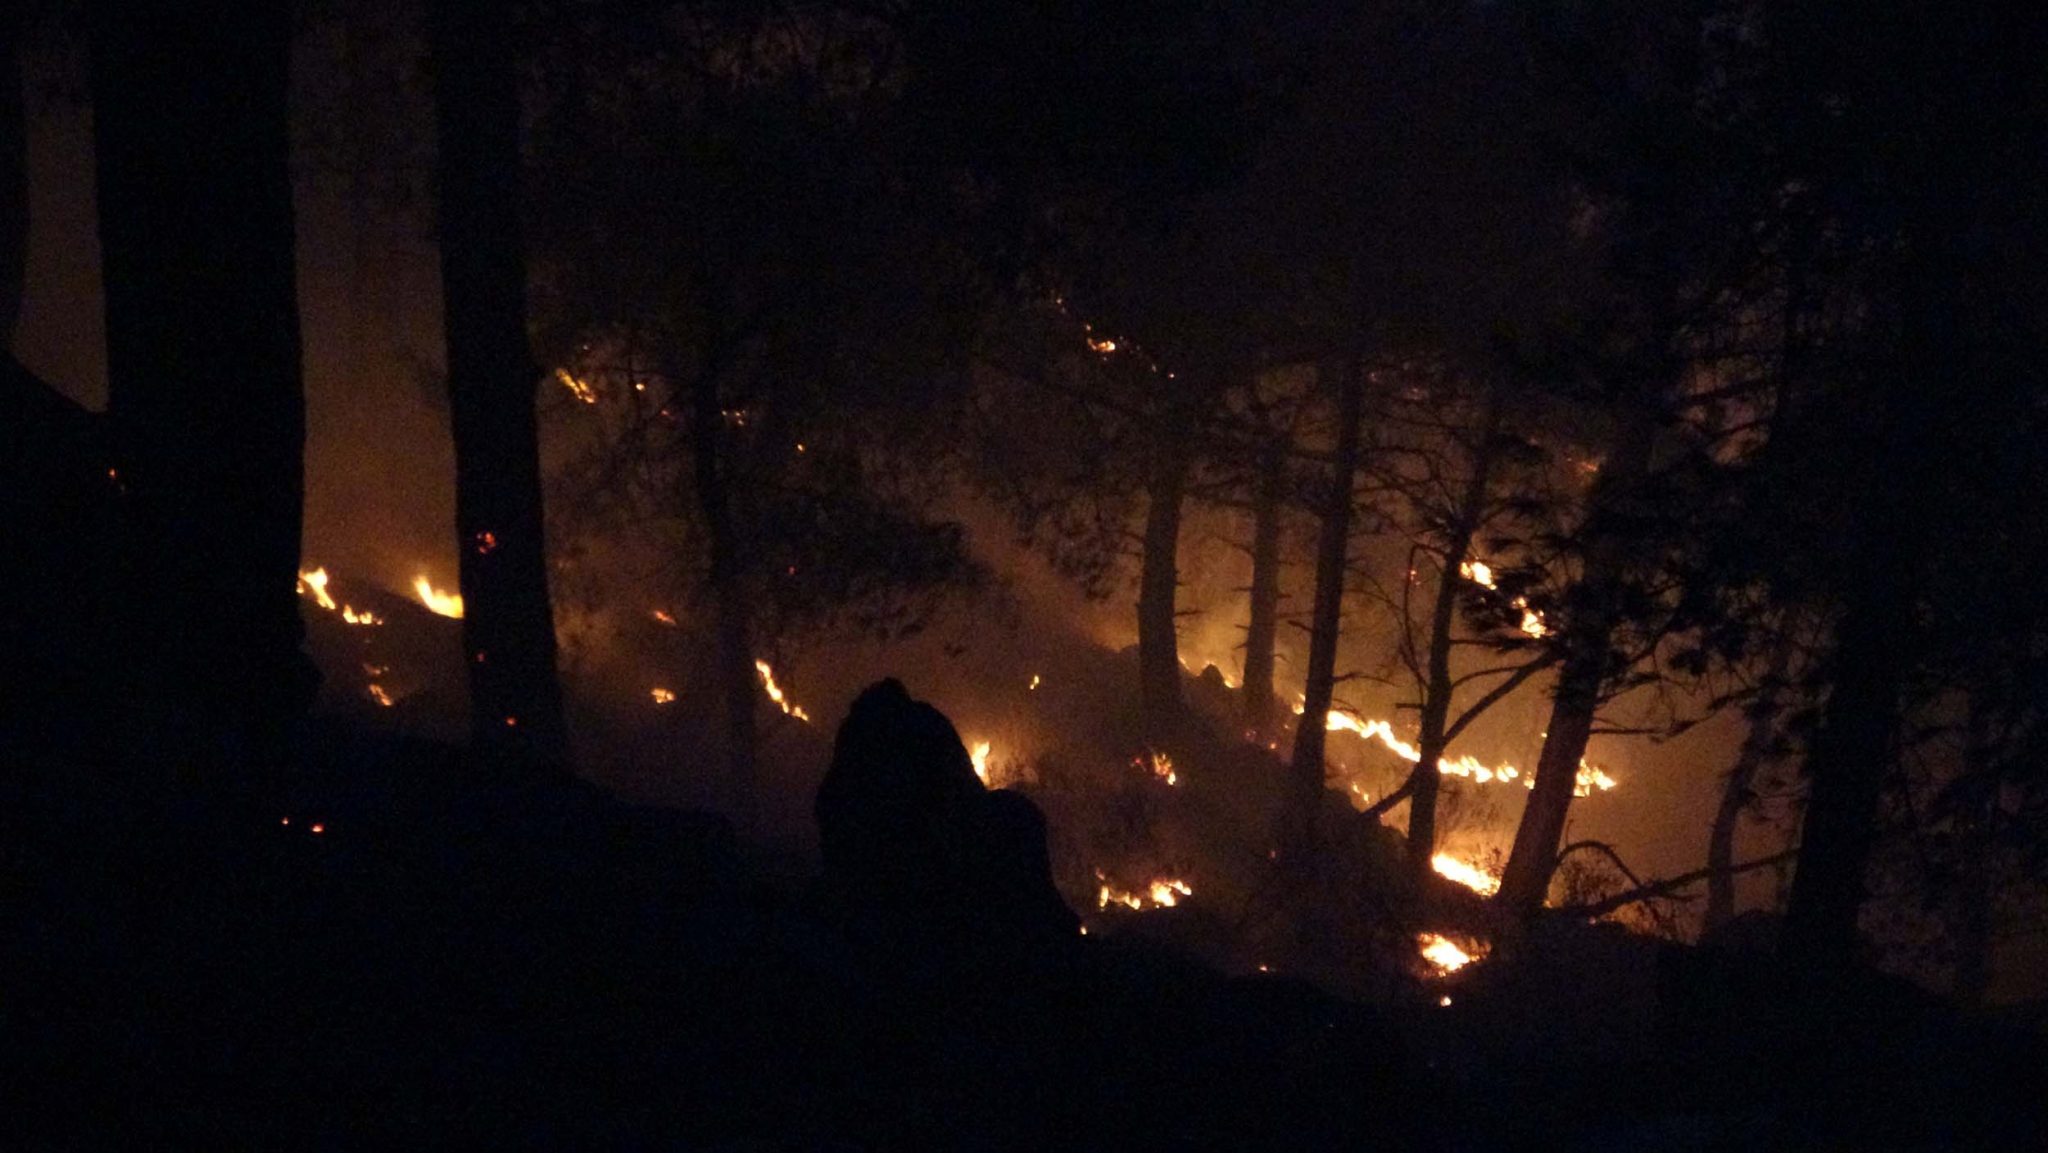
{"points": [[1875, 642], [1159, 577], [203, 365], [1437, 686], [730, 605], [508, 630], [1593, 613], [1262, 629], [1846, 765], [1735, 796], [1305, 768]]}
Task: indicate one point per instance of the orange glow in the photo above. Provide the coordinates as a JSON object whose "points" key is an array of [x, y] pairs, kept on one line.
{"points": [[664, 617], [1158, 764], [1590, 776], [978, 753], [580, 389], [315, 584], [775, 692], [1163, 893], [437, 602], [1465, 873], [1444, 954], [378, 694], [661, 696], [1532, 621]]}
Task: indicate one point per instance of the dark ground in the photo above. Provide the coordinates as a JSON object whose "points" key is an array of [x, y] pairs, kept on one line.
{"points": [[455, 962]]}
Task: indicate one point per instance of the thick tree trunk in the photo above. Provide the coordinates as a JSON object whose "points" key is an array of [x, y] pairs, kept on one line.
{"points": [[1262, 629], [1298, 833], [1846, 766], [205, 392], [1592, 616], [508, 625], [1852, 750], [730, 605], [1159, 688]]}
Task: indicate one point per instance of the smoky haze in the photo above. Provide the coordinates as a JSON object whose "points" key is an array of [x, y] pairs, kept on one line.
{"points": [[379, 502]]}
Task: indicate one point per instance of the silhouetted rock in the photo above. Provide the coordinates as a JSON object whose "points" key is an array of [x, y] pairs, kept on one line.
{"points": [[909, 833]]}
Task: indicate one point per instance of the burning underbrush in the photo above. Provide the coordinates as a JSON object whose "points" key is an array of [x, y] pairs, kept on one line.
{"points": [[1164, 840]]}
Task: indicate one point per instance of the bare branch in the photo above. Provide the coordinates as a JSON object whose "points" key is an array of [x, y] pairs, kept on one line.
{"points": [[1655, 889]]}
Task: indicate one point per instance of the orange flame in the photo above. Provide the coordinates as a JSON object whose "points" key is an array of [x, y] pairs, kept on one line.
{"points": [[661, 696], [1465, 873], [437, 602], [315, 583], [1478, 573], [1444, 954], [978, 753], [1590, 776], [1163, 893], [775, 692]]}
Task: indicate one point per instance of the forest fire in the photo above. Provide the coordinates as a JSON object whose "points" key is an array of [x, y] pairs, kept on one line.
{"points": [[1444, 954], [314, 583], [1465, 873], [1158, 764], [662, 696], [1163, 893], [578, 388], [1480, 574], [439, 603], [775, 692], [1590, 776], [978, 753]]}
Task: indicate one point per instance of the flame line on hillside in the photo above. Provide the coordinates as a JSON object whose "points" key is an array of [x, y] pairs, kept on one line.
{"points": [[1590, 776]]}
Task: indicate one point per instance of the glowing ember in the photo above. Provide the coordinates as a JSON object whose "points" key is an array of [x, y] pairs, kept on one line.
{"points": [[315, 583], [1478, 573], [437, 602], [318, 829], [775, 692], [1159, 764], [1160, 894], [978, 752], [664, 617], [366, 618], [580, 389], [1443, 953], [378, 694], [1033, 686], [661, 696], [1465, 873], [1102, 345]]}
